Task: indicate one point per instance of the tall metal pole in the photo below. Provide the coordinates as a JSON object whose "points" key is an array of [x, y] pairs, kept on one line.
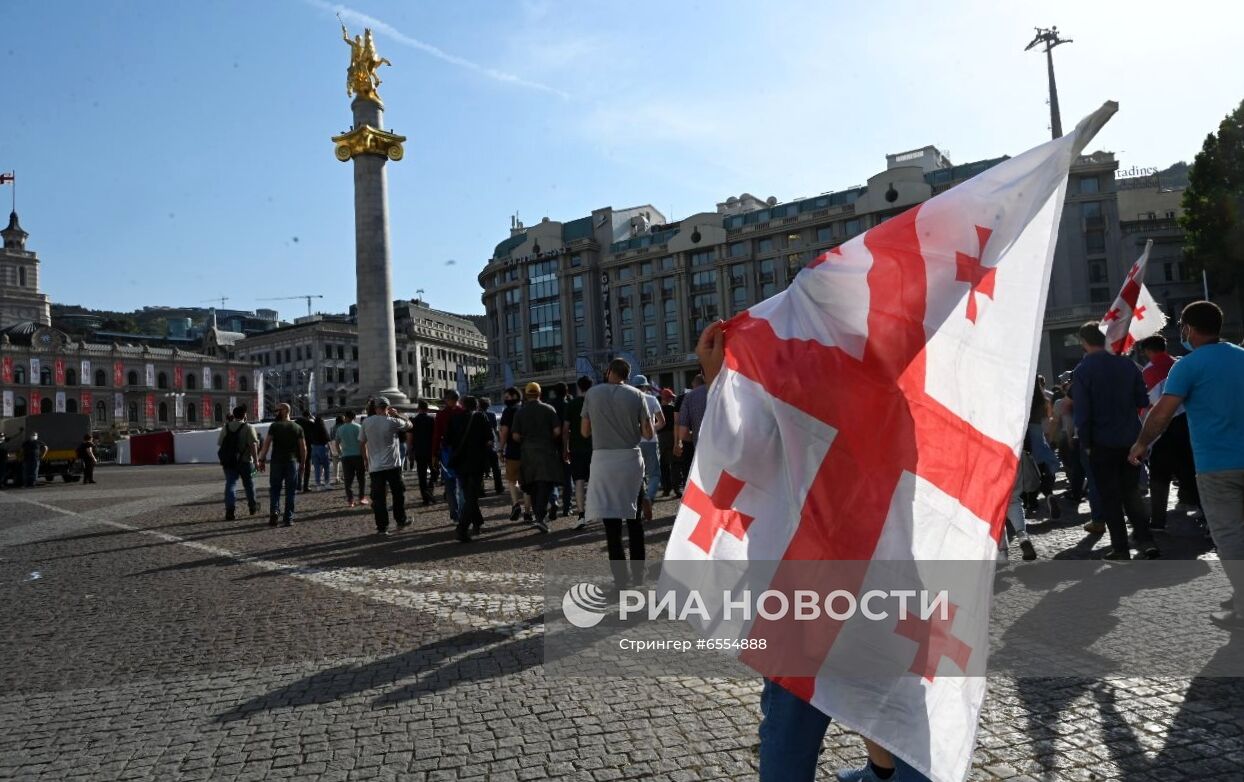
{"points": [[1050, 39]]}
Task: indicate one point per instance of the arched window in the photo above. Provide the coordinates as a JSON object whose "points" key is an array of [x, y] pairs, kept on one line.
{"points": [[192, 413], [131, 378], [46, 406], [71, 377], [19, 376], [218, 382], [218, 412], [101, 413], [243, 383], [192, 381], [133, 412], [19, 406], [163, 412], [71, 405], [45, 376], [100, 378], [162, 380]]}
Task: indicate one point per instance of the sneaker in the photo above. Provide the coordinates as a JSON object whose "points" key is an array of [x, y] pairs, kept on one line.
{"points": [[271, 519], [865, 774], [384, 533], [647, 508], [1228, 620], [287, 523], [364, 501], [516, 511], [542, 526], [403, 524], [1095, 528], [1030, 551], [582, 522], [552, 513], [229, 515], [1117, 556], [351, 504]]}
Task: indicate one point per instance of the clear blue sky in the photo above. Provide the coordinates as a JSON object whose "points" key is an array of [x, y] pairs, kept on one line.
{"points": [[170, 152]]}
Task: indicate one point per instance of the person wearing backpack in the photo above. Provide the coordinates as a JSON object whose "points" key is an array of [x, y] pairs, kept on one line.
{"points": [[238, 451]]}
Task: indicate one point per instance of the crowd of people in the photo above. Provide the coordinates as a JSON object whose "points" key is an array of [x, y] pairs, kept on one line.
{"points": [[592, 452]]}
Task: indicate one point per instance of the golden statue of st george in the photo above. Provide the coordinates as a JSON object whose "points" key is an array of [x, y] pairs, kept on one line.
{"points": [[361, 77]]}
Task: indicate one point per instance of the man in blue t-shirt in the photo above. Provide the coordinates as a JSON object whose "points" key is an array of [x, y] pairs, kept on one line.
{"points": [[1208, 383]]}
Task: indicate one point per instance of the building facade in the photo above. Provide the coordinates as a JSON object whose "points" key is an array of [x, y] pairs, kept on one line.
{"points": [[20, 298], [318, 356], [625, 282]]}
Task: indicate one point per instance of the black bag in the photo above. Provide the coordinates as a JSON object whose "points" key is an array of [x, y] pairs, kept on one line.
{"points": [[229, 452]]}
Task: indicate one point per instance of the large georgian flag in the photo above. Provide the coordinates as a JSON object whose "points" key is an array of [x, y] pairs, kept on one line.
{"points": [[1134, 315], [874, 411]]}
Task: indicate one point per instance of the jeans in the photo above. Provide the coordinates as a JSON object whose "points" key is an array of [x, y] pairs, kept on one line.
{"points": [[472, 487], [352, 466], [1118, 487], [652, 469], [450, 479], [1222, 499], [541, 493], [392, 479], [31, 473], [791, 732], [424, 466], [495, 466], [283, 476], [248, 484], [321, 463]]}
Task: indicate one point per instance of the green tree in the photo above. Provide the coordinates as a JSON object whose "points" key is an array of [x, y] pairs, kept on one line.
{"points": [[1213, 205]]}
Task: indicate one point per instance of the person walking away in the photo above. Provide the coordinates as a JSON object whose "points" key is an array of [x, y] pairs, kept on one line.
{"points": [[537, 428], [472, 439], [1039, 447], [319, 453], [1108, 391], [32, 454], [419, 445], [512, 452], [494, 461], [288, 445], [334, 453], [557, 400], [616, 418], [306, 424], [578, 449], [690, 414], [649, 448], [381, 433], [1207, 382], [665, 441], [353, 460], [1171, 456], [450, 409], [237, 449], [86, 453]]}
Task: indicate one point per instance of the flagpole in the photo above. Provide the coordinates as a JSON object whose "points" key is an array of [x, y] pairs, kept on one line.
{"points": [[1205, 283]]}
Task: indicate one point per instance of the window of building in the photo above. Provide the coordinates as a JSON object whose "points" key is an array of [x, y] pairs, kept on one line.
{"points": [[701, 257], [1099, 295], [645, 269], [624, 273], [766, 278], [218, 413], [133, 413], [19, 406], [667, 263], [738, 249], [71, 377], [45, 376], [401, 378], [21, 276], [341, 352], [764, 245], [131, 379], [853, 226], [1089, 184], [298, 353], [354, 374], [1090, 210], [192, 381], [1097, 272], [328, 375], [101, 378], [670, 308], [162, 413], [1095, 242], [576, 261], [243, 383], [577, 309], [341, 374], [650, 334], [162, 380], [288, 358], [794, 262], [703, 311], [218, 382], [825, 234], [71, 405], [628, 337], [649, 311], [671, 330], [703, 281], [19, 376], [1168, 269], [45, 406], [101, 413]]}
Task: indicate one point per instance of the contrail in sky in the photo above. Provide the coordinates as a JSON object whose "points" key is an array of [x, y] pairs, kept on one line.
{"points": [[383, 28]]}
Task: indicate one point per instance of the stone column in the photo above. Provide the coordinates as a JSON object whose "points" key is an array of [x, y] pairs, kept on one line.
{"points": [[373, 267]]}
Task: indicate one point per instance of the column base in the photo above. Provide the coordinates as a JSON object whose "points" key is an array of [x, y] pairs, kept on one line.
{"points": [[395, 397]]}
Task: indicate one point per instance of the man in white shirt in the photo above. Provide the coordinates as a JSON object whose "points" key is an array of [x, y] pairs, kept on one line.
{"points": [[381, 434]]}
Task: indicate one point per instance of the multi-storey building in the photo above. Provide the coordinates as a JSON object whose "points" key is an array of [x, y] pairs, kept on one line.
{"points": [[318, 356], [627, 282], [122, 387]]}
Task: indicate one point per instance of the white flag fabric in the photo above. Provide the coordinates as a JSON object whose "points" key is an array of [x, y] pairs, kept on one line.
{"points": [[874, 410], [1134, 315]]}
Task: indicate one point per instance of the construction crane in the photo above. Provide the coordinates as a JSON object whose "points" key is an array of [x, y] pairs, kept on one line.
{"points": [[221, 299], [307, 296]]}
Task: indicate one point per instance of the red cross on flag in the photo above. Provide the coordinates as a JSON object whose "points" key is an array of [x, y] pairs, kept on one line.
{"points": [[1134, 315], [873, 411]]}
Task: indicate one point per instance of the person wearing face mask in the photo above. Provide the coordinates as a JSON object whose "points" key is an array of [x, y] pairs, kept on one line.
{"points": [[512, 453], [1207, 384]]}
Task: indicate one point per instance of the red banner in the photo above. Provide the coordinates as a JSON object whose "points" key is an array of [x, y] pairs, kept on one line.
{"points": [[233, 379], [6, 370], [59, 368], [178, 377], [150, 407], [85, 405], [118, 375], [207, 408]]}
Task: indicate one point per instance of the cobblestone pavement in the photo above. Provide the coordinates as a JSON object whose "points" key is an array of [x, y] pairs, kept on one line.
{"points": [[144, 638]]}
